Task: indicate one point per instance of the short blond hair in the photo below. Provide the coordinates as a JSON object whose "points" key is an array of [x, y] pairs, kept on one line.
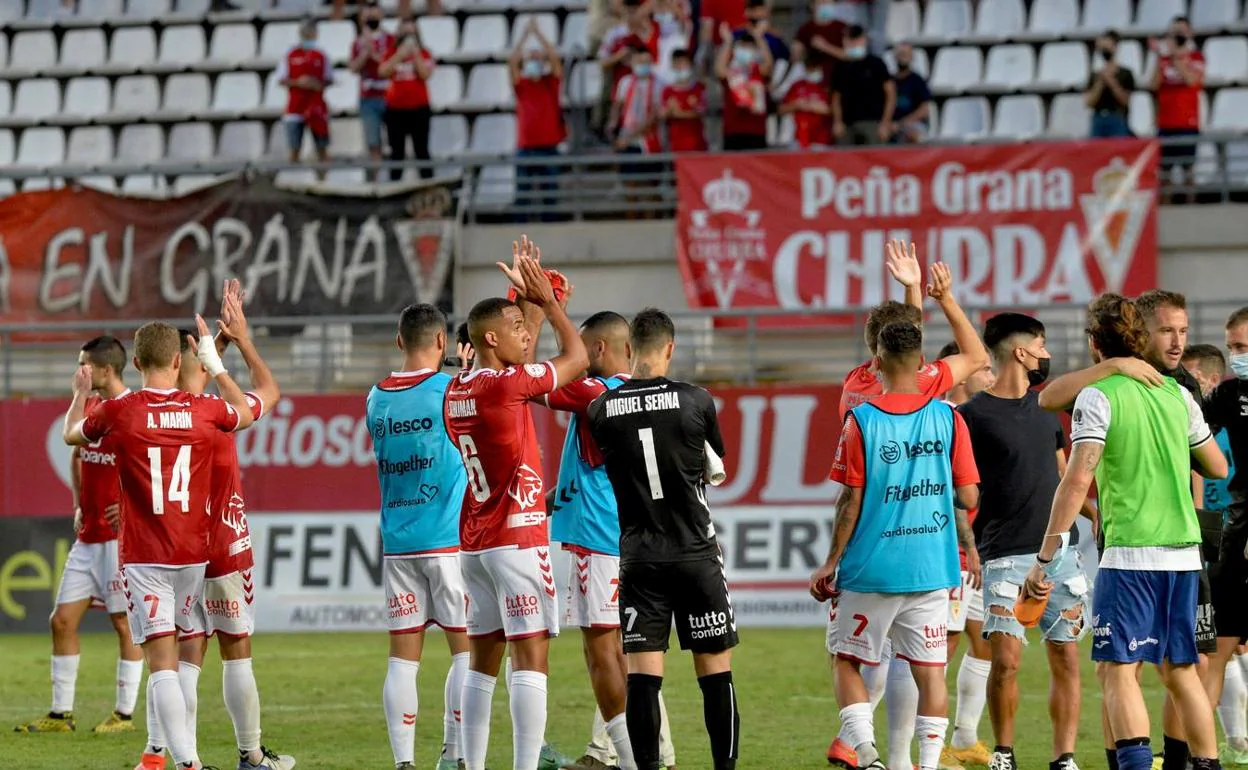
{"points": [[155, 345]]}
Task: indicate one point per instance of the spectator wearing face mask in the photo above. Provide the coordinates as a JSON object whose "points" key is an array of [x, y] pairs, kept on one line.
{"points": [[758, 19], [808, 102], [306, 72], [408, 67], [684, 104], [715, 15], [912, 115], [820, 42], [1109, 89], [368, 51], [864, 95], [639, 28], [744, 68], [634, 124], [1177, 82], [537, 77], [871, 15]]}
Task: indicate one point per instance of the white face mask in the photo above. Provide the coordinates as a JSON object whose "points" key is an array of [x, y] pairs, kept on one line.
{"points": [[1239, 365], [532, 68]]}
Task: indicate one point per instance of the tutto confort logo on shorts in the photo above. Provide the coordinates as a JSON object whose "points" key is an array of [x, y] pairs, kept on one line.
{"points": [[892, 452], [708, 625], [521, 605]]}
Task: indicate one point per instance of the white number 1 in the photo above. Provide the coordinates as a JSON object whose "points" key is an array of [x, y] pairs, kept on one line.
{"points": [[179, 480], [652, 462]]}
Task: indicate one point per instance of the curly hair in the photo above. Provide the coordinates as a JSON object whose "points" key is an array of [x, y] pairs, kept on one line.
{"points": [[1116, 327]]}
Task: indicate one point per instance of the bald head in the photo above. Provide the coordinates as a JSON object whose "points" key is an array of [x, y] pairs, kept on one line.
{"points": [[606, 337]]}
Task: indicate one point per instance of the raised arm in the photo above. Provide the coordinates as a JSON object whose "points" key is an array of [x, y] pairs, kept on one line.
{"points": [[233, 325], [904, 266], [972, 355], [226, 386], [573, 359], [534, 318]]}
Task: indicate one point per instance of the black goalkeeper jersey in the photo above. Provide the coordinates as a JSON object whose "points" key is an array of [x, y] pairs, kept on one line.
{"points": [[652, 434]]}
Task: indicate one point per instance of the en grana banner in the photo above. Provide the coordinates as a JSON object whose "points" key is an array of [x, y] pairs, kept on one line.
{"points": [[81, 254], [1019, 224]]}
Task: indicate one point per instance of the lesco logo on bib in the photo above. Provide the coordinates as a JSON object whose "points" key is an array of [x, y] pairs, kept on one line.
{"points": [[890, 452]]}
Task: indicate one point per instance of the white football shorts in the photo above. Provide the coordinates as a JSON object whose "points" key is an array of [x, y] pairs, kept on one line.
{"points": [[424, 590], [965, 603], [592, 599], [161, 600], [916, 624], [510, 590], [91, 572], [228, 607]]}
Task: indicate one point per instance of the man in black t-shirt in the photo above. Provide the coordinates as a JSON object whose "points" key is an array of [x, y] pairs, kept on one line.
{"points": [[1109, 89], [660, 439], [864, 95], [1020, 451]]}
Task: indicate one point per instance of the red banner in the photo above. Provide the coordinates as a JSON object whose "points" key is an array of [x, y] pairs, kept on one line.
{"points": [[1020, 225], [315, 453]]}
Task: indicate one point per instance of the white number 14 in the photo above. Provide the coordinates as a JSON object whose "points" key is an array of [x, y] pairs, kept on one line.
{"points": [[179, 480]]}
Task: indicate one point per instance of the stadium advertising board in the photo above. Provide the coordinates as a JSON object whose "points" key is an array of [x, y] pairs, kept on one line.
{"points": [[310, 481], [82, 254], [1019, 224]]}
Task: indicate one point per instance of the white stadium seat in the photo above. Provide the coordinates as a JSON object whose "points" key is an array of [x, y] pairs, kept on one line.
{"points": [[90, 146], [496, 185], [918, 63], [489, 87], [12, 10], [143, 184], [189, 183], [1069, 117], [190, 142], [84, 48], [33, 50], [37, 98], [344, 93], [1230, 110], [446, 86], [1063, 65], [448, 136], [1226, 60], [575, 35], [277, 38], [6, 147], [232, 44], [903, 20], [947, 19], [1054, 17], [440, 34], [182, 45], [147, 9], [1214, 14], [346, 138], [1153, 16], [187, 93], [236, 92], [243, 140], [584, 83], [1141, 116], [345, 177], [494, 135], [546, 22], [956, 68], [6, 98], [192, 8], [1000, 17], [335, 39], [4, 51], [87, 97], [132, 47], [274, 92], [1018, 117], [484, 35], [46, 9], [41, 147], [1100, 15], [136, 95], [1130, 56], [141, 144], [964, 117], [1010, 66]]}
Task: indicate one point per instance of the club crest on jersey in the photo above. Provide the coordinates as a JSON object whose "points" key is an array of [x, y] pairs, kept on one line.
{"points": [[527, 490], [535, 370]]}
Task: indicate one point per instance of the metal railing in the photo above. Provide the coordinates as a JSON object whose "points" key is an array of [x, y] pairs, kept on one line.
{"points": [[350, 353], [582, 187]]}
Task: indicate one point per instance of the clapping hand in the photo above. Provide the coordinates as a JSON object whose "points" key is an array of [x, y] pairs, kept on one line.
{"points": [[520, 250], [940, 281], [903, 265]]}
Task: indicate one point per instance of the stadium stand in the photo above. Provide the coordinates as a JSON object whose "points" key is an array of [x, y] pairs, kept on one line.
{"points": [[166, 82]]}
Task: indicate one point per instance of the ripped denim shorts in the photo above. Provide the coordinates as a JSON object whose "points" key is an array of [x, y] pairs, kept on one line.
{"points": [[1065, 617]]}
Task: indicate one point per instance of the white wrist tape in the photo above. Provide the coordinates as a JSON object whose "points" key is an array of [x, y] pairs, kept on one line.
{"points": [[209, 357]]}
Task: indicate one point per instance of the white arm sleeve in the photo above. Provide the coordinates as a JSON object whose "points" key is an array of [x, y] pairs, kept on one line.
{"points": [[1197, 429], [1090, 419]]}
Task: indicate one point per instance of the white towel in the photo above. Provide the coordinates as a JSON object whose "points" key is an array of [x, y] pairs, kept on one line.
{"points": [[713, 473]]}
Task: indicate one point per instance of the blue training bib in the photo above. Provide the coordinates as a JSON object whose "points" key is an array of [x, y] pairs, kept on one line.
{"points": [[584, 513]]}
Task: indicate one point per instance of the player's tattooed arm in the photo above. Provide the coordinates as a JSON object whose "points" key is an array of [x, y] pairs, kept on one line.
{"points": [[966, 539], [1087, 510], [848, 509], [1071, 494]]}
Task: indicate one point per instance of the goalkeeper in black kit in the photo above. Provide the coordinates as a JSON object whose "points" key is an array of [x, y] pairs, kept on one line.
{"points": [[660, 441]]}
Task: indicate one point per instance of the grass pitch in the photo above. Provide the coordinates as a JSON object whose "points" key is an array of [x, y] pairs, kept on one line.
{"points": [[321, 700]]}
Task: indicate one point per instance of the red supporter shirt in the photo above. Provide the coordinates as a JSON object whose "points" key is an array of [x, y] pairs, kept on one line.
{"points": [[833, 32], [810, 128], [165, 445], [301, 62], [407, 90], [488, 419], [539, 116], [744, 93], [99, 484], [863, 384], [619, 38], [716, 12], [686, 134], [372, 84], [1178, 104], [229, 540], [850, 468]]}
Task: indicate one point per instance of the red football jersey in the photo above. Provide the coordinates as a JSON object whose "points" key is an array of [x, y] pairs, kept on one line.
{"points": [[165, 441], [300, 62], [1178, 104], [229, 540], [809, 128], [99, 485], [686, 134], [488, 418], [372, 84], [862, 384]]}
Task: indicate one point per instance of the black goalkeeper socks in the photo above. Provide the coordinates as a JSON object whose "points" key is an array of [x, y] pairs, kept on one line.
{"points": [[1174, 754], [641, 713], [723, 722]]}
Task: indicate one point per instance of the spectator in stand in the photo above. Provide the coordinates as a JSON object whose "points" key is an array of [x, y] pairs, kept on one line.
{"points": [[634, 123], [871, 15], [716, 21], [864, 96], [1178, 81], [808, 102], [1109, 91], [820, 42], [306, 72], [758, 15], [373, 46], [913, 113], [744, 67], [407, 98], [639, 28], [684, 104], [675, 29], [537, 77], [432, 8]]}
